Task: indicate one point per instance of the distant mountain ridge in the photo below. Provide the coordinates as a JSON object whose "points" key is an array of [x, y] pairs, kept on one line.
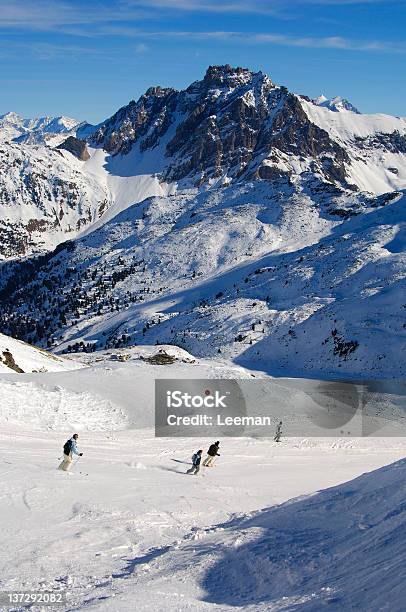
{"points": [[337, 104], [34, 131]]}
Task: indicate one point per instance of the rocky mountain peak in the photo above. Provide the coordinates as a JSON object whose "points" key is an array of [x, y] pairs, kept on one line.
{"points": [[232, 125], [75, 146], [226, 76], [158, 92]]}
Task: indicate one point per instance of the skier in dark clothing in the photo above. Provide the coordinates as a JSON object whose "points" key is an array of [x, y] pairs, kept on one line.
{"points": [[211, 454], [278, 432], [69, 449], [196, 459]]}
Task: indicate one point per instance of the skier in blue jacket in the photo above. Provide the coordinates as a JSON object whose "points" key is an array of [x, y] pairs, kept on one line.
{"points": [[196, 459], [69, 449]]}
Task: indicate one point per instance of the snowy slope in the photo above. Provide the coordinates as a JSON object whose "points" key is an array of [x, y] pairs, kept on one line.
{"points": [[16, 356], [341, 548], [376, 145], [129, 525], [117, 391], [102, 396], [273, 284], [126, 181]]}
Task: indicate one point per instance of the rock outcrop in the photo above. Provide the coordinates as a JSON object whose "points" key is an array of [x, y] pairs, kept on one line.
{"points": [[77, 147]]}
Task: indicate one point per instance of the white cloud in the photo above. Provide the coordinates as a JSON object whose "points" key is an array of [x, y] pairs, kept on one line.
{"points": [[55, 14], [59, 14], [242, 6], [101, 18], [309, 42]]}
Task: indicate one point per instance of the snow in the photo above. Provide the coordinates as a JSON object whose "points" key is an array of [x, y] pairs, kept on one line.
{"points": [[370, 165], [121, 178], [85, 400], [35, 406], [340, 548], [129, 526], [46, 198], [32, 359], [345, 125]]}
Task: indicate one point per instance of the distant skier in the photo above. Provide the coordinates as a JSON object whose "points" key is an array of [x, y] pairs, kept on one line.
{"points": [[212, 453], [69, 449], [278, 433], [196, 459]]}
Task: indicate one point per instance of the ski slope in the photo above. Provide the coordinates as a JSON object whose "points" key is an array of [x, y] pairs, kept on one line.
{"points": [[129, 525], [129, 528]]}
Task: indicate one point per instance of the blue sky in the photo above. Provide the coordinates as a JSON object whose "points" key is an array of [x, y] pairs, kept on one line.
{"points": [[85, 59]]}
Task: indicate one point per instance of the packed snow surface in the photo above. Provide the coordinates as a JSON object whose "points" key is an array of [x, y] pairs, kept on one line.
{"points": [[128, 525]]}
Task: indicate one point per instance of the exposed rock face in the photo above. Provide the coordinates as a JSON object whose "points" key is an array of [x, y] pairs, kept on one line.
{"points": [[229, 125], [8, 360], [77, 147], [151, 114], [392, 143]]}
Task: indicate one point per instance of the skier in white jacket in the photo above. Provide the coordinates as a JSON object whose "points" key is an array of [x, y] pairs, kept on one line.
{"points": [[69, 449]]}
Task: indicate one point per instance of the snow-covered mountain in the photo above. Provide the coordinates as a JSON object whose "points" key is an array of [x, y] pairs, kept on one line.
{"points": [[44, 198], [38, 130], [230, 127], [233, 216], [260, 280], [337, 104]]}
